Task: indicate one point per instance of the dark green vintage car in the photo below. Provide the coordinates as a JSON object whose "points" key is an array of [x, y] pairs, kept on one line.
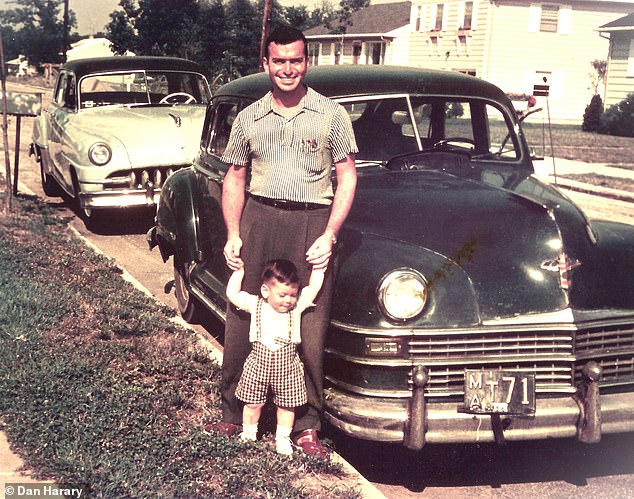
{"points": [[473, 302]]}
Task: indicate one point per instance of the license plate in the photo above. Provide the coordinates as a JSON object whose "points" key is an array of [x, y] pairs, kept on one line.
{"points": [[499, 392]]}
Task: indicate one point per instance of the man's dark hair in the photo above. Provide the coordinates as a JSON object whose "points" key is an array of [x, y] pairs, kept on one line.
{"points": [[283, 35], [282, 270]]}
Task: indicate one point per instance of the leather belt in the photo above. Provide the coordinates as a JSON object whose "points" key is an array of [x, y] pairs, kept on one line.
{"points": [[283, 204]]}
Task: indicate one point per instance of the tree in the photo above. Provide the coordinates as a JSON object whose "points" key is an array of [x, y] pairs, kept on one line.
{"points": [[39, 28], [342, 18], [592, 115], [598, 75], [120, 30], [192, 29]]}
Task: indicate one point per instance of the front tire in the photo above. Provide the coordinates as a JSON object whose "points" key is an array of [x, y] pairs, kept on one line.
{"points": [[49, 184], [189, 307]]}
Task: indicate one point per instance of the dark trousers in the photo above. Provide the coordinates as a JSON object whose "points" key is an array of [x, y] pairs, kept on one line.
{"points": [[270, 233]]}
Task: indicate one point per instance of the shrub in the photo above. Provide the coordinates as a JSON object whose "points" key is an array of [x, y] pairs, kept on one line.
{"points": [[619, 118], [592, 115]]}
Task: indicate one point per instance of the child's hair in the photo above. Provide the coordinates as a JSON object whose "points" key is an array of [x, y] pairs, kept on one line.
{"points": [[282, 270]]}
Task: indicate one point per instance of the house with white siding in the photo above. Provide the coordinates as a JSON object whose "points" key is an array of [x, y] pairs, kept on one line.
{"points": [[378, 34], [620, 69], [515, 44]]}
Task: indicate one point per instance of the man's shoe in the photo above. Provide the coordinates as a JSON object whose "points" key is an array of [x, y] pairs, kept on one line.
{"points": [[309, 443], [222, 428]]}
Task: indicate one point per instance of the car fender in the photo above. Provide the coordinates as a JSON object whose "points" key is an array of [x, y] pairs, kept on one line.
{"points": [[603, 279], [177, 230], [40, 130], [364, 259]]}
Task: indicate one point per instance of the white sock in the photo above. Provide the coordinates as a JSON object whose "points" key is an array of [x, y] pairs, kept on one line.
{"points": [[283, 432], [249, 431]]}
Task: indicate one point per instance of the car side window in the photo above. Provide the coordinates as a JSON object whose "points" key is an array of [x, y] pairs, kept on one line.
{"points": [[223, 116], [503, 139], [60, 88], [70, 96]]}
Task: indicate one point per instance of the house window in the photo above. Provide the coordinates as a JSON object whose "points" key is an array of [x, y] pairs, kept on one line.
{"points": [[313, 53], [375, 53], [434, 44], [463, 44], [549, 19], [356, 52], [468, 14], [438, 23], [419, 17]]}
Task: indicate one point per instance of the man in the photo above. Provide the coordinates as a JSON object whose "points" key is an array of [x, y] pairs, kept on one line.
{"points": [[288, 140]]}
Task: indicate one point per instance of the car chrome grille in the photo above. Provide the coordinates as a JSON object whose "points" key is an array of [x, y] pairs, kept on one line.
{"points": [[612, 348], [548, 354], [138, 179]]}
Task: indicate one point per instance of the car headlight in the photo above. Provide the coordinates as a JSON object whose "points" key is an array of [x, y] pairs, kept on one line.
{"points": [[99, 153], [402, 294]]}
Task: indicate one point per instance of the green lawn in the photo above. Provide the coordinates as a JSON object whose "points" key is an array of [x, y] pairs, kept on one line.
{"points": [[100, 389], [570, 142]]}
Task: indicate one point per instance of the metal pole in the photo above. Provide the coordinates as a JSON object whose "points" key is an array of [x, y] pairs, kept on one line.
{"points": [[18, 122], [266, 24], [5, 132], [65, 37]]}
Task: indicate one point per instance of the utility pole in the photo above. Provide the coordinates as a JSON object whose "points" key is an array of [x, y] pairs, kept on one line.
{"points": [[65, 37], [266, 24], [5, 132]]}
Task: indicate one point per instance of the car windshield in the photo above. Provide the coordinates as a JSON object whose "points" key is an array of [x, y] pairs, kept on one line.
{"points": [[388, 126], [143, 87]]}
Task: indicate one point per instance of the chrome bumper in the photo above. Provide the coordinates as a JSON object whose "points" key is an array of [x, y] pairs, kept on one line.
{"points": [[416, 421], [120, 198]]}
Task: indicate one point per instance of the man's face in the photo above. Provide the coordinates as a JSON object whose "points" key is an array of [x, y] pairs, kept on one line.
{"points": [[286, 65], [282, 297]]}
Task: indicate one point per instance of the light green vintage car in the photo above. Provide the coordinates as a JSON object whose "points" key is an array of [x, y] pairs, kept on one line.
{"points": [[117, 127]]}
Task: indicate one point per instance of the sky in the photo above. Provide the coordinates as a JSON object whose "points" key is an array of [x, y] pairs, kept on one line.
{"points": [[93, 15]]}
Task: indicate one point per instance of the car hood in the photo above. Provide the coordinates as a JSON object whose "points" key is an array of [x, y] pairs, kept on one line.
{"points": [[503, 241], [151, 135]]}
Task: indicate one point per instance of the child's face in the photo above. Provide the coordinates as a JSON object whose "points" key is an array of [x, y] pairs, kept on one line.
{"points": [[281, 297]]}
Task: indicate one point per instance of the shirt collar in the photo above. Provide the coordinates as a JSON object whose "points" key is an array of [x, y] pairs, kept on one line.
{"points": [[310, 103]]}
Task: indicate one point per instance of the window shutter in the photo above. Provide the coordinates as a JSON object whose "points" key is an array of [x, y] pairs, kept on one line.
{"points": [[534, 17], [565, 18], [474, 14], [461, 11], [432, 16], [445, 12]]}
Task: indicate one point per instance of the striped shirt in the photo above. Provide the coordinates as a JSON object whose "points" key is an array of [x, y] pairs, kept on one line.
{"points": [[291, 157]]}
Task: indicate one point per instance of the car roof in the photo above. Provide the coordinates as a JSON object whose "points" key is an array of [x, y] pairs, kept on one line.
{"points": [[82, 67], [351, 80]]}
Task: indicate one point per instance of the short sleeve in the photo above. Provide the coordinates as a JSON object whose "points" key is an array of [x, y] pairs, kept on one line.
{"points": [[237, 151], [341, 137]]}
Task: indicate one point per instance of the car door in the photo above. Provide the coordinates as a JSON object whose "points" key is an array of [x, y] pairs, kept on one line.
{"points": [[212, 273], [60, 114]]}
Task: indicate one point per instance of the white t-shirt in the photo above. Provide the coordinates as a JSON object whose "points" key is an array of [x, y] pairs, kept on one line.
{"points": [[280, 326]]}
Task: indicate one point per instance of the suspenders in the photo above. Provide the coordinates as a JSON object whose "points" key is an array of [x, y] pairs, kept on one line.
{"points": [[258, 324]]}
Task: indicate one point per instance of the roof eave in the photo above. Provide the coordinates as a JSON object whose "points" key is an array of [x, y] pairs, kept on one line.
{"points": [[351, 36]]}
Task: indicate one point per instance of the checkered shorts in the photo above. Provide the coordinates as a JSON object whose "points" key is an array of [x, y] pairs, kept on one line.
{"points": [[281, 369]]}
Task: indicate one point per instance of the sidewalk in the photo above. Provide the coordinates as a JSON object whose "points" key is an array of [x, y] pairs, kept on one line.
{"points": [[551, 172]]}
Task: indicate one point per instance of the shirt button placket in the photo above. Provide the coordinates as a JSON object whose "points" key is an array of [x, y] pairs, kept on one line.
{"points": [[288, 133]]}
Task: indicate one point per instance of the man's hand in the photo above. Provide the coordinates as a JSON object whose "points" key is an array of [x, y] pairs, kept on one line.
{"points": [[232, 253], [318, 255]]}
